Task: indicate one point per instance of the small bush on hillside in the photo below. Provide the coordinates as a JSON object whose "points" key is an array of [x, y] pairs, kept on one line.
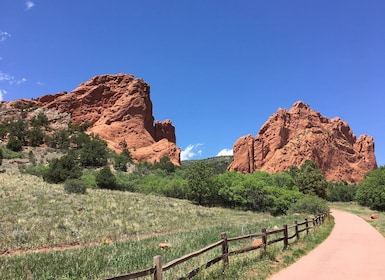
{"points": [[38, 170], [62, 169], [120, 163], [75, 186], [94, 153], [105, 179], [310, 204], [14, 144], [35, 137]]}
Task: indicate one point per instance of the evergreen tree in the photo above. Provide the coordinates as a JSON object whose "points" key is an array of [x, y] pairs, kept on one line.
{"points": [[105, 179]]}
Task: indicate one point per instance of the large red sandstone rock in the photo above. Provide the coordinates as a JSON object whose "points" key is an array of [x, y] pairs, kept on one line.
{"points": [[119, 110], [290, 137]]}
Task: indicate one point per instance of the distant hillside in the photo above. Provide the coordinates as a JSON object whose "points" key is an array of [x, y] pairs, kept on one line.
{"points": [[219, 164]]}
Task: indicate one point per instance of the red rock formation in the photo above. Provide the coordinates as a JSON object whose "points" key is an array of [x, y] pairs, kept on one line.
{"points": [[290, 137], [119, 109]]}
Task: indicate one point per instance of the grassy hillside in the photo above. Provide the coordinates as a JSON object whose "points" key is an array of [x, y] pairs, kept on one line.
{"points": [[46, 233]]}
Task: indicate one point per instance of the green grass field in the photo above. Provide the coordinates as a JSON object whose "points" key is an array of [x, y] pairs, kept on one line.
{"points": [[46, 233]]}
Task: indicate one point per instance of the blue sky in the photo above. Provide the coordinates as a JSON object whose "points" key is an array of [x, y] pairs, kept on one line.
{"points": [[217, 69]]}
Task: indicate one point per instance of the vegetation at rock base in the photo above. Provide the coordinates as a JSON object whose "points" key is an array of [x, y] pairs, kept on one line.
{"points": [[114, 232], [371, 191]]}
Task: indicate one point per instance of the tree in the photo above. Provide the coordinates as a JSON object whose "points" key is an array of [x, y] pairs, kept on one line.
{"points": [[371, 191], [105, 179], [17, 128], [14, 144], [165, 164], [201, 186], [94, 153], [62, 169], [36, 137], [309, 179], [40, 120], [120, 162]]}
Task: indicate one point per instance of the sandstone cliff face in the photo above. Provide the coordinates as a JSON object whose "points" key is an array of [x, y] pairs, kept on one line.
{"points": [[119, 109], [290, 137]]}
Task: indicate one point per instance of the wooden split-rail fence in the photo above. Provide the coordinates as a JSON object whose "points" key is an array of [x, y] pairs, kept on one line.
{"points": [[158, 268]]}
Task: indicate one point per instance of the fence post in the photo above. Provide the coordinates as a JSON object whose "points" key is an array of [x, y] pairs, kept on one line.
{"points": [[158, 268], [296, 230], [286, 237], [307, 226], [264, 238], [225, 250]]}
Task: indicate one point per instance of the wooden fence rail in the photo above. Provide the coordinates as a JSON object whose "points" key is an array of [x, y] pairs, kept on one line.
{"points": [[157, 270]]}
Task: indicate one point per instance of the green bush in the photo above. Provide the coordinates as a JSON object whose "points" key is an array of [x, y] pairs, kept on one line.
{"points": [[341, 192], [38, 170], [62, 169], [310, 204], [371, 191], [75, 186], [105, 179], [94, 153], [14, 144]]}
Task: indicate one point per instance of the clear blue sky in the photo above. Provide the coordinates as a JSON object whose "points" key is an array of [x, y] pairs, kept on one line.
{"points": [[217, 69]]}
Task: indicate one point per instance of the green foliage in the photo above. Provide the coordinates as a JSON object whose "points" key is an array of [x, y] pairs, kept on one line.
{"points": [[17, 128], [310, 204], [281, 199], [60, 140], [201, 186], [105, 179], [35, 137], [371, 191], [37, 170], [259, 191], [40, 120], [62, 169], [3, 130], [127, 154], [164, 164], [120, 162], [94, 153], [75, 186], [309, 179], [218, 164], [341, 191], [14, 144]]}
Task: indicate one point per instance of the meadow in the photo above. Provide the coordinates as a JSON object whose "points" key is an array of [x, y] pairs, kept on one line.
{"points": [[46, 233]]}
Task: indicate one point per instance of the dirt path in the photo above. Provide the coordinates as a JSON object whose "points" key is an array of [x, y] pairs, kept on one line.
{"points": [[354, 250]]}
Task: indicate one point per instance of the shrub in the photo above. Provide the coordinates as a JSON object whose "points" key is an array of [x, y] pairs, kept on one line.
{"points": [[341, 192], [371, 191], [75, 186], [62, 169], [120, 163], [94, 153], [15, 144], [310, 204], [165, 164], [36, 137], [105, 179], [38, 170]]}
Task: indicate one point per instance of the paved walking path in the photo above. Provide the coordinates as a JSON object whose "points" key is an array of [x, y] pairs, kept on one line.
{"points": [[354, 250]]}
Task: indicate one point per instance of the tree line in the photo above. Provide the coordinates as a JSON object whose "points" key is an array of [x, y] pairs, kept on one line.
{"points": [[88, 163]]}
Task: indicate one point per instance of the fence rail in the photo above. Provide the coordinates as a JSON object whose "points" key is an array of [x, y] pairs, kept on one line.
{"points": [[157, 270]]}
